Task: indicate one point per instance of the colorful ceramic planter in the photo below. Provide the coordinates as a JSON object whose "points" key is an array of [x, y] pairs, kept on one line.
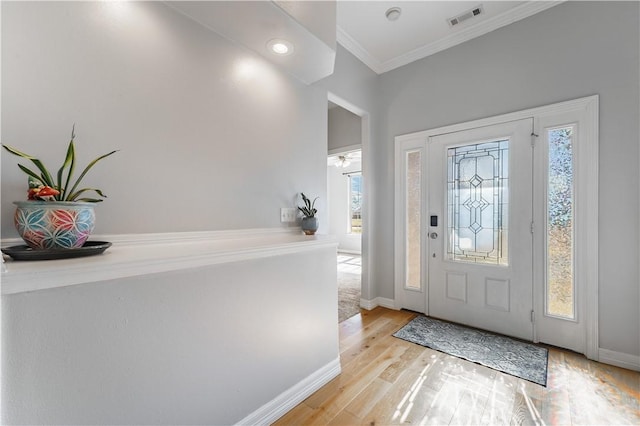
{"points": [[54, 224]]}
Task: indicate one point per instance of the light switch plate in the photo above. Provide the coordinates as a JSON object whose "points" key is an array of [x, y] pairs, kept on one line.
{"points": [[288, 214]]}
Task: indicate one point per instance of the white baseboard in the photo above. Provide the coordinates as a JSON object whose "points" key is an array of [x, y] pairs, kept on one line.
{"points": [[378, 301], [287, 400], [345, 251], [619, 359]]}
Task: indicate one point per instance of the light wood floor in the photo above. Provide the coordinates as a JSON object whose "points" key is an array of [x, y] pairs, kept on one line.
{"points": [[387, 381]]}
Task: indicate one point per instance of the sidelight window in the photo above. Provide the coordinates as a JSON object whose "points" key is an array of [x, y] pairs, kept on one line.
{"points": [[560, 211]]}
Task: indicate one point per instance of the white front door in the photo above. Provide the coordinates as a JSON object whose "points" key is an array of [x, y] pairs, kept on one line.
{"points": [[488, 236], [480, 258]]}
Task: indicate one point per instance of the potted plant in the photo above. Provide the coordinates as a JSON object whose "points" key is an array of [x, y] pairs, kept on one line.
{"points": [[309, 221], [58, 213]]}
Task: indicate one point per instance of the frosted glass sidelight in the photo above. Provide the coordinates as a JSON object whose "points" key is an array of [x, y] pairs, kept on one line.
{"points": [[477, 202], [560, 286], [413, 219]]}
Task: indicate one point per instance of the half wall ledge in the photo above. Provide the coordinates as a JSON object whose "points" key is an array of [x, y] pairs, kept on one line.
{"points": [[141, 254]]}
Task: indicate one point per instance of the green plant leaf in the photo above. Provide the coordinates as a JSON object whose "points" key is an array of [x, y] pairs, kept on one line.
{"points": [[89, 200], [75, 195], [70, 162], [30, 173], [46, 176], [16, 152], [308, 210], [86, 169]]}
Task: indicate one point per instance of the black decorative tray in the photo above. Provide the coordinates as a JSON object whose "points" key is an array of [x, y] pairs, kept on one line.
{"points": [[24, 252]]}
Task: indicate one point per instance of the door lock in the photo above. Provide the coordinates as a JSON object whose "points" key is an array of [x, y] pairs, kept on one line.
{"points": [[433, 235]]}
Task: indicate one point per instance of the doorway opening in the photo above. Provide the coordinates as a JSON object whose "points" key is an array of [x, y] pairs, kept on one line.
{"points": [[349, 284], [344, 189], [348, 133]]}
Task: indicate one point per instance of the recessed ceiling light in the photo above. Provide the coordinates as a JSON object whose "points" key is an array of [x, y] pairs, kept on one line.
{"points": [[280, 47], [393, 13]]}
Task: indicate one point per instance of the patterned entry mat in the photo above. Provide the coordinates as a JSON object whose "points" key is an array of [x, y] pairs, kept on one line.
{"points": [[524, 360]]}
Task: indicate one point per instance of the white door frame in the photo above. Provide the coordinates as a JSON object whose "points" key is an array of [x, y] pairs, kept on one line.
{"points": [[586, 260]]}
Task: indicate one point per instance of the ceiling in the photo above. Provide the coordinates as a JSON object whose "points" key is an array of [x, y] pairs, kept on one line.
{"points": [[422, 28], [264, 22]]}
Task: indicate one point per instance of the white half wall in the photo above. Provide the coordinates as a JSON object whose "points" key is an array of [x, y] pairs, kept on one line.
{"points": [[208, 345]]}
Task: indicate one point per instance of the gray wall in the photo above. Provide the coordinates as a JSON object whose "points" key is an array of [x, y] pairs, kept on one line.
{"points": [[211, 135], [345, 129], [356, 84], [572, 50]]}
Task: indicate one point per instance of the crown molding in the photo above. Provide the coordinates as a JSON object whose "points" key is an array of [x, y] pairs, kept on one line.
{"points": [[358, 51], [483, 27]]}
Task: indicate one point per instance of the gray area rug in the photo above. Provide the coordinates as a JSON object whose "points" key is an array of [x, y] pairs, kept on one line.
{"points": [[348, 295], [520, 359]]}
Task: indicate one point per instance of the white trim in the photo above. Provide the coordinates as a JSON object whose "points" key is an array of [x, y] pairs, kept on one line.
{"points": [[344, 251], [378, 301], [143, 254], [589, 260], [345, 149], [561, 107], [287, 400], [619, 359], [386, 303], [483, 27], [172, 237], [357, 50]]}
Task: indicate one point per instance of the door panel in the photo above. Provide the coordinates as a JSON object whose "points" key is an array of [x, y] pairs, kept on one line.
{"points": [[561, 321], [480, 245]]}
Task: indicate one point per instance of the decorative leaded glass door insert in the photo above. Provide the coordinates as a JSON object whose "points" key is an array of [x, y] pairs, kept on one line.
{"points": [[477, 202], [480, 242]]}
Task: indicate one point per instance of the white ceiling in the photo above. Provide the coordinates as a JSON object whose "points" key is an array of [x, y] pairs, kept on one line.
{"points": [[422, 28], [263, 21]]}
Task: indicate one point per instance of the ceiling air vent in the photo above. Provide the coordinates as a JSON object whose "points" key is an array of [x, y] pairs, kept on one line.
{"points": [[472, 13]]}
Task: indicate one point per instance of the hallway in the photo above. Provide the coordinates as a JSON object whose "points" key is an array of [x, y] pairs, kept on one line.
{"points": [[349, 285]]}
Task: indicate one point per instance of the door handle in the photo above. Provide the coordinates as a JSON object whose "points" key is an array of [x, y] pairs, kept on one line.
{"points": [[433, 235]]}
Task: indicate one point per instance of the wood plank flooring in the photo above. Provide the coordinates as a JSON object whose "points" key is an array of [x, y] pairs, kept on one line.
{"points": [[388, 381]]}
